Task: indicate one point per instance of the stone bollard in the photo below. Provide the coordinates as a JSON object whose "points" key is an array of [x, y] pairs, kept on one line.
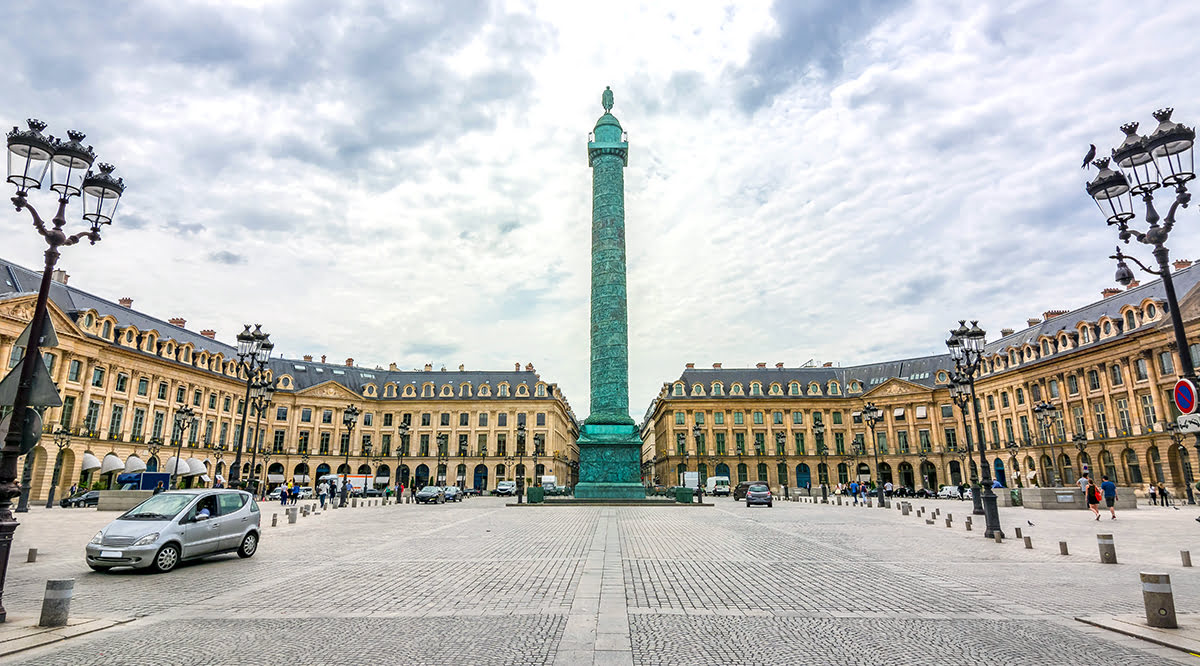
{"points": [[1018, 531], [948, 523], [56, 604], [929, 521], [904, 509], [32, 557], [1062, 548], [1160, 602], [999, 537], [274, 520], [839, 500], [1108, 549], [291, 516], [1186, 556], [949, 516], [354, 503], [968, 525], [1029, 542]]}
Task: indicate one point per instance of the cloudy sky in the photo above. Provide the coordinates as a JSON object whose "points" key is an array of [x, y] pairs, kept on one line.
{"points": [[837, 180]]}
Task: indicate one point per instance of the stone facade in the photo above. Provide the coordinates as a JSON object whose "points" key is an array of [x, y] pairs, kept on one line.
{"points": [[1107, 367], [123, 374]]}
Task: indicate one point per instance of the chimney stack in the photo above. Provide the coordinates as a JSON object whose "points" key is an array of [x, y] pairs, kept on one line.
{"points": [[1051, 314], [308, 357], [760, 365], [716, 366], [1131, 285], [517, 366], [1005, 332], [1180, 264], [779, 366], [462, 366], [428, 367], [393, 367], [827, 364], [126, 302], [689, 366], [177, 321], [1110, 291], [322, 358], [1033, 321], [60, 276], [209, 333], [349, 363], [528, 367]]}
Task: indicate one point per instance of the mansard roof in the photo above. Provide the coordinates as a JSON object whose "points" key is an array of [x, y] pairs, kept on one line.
{"points": [[921, 371]]}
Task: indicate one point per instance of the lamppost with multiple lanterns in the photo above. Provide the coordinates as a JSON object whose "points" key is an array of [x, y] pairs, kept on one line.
{"points": [[873, 415], [349, 419], [253, 353], [1177, 436], [966, 348], [823, 451], [30, 155], [184, 418], [62, 439], [400, 453], [960, 394], [261, 395], [1046, 413]]}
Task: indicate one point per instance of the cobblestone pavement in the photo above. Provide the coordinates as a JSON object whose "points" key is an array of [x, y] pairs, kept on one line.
{"points": [[478, 582]]}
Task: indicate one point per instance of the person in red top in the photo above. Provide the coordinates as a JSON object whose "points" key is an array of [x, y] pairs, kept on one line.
{"points": [[1092, 493]]}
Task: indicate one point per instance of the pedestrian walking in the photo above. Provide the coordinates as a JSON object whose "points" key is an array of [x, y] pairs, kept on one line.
{"points": [[74, 489], [1092, 493], [323, 493], [159, 488], [887, 488], [1109, 489], [283, 495], [1163, 495], [854, 491], [1154, 494]]}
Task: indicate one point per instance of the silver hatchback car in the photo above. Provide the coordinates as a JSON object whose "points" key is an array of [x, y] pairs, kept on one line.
{"points": [[178, 525]]}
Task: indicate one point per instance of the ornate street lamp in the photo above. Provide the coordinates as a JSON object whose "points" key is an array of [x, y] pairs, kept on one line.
{"points": [[966, 348], [823, 451], [62, 439], [1046, 413], [443, 457], [697, 433], [960, 394], [261, 395], [349, 419], [521, 457], [1080, 440], [400, 453], [266, 456], [253, 354], [30, 155], [1177, 440], [218, 453], [184, 418], [873, 415]]}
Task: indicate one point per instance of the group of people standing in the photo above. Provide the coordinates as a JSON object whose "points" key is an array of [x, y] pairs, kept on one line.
{"points": [[1106, 492]]}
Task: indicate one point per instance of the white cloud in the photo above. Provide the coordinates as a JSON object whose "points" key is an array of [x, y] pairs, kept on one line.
{"points": [[839, 185]]}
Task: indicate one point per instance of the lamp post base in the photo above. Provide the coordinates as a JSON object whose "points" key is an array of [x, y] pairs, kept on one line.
{"points": [[977, 500], [992, 515]]}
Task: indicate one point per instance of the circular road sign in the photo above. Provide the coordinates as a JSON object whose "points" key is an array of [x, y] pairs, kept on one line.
{"points": [[1185, 396]]}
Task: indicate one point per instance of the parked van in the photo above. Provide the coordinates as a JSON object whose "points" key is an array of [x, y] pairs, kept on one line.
{"points": [[717, 485]]}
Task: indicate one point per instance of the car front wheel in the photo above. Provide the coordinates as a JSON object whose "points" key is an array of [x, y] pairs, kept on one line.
{"points": [[249, 545], [167, 558]]}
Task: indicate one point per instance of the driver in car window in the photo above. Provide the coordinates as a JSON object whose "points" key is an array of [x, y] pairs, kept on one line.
{"points": [[205, 507]]}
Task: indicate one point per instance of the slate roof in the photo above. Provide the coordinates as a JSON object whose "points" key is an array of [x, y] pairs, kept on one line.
{"points": [[306, 374], [921, 371]]}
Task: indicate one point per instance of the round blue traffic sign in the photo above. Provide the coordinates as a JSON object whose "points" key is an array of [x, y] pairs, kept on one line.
{"points": [[1185, 396]]}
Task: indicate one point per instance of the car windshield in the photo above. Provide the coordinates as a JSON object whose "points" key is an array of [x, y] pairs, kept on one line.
{"points": [[758, 488], [160, 507]]}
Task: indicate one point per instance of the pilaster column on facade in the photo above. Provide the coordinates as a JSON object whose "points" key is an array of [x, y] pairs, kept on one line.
{"points": [[1136, 427]]}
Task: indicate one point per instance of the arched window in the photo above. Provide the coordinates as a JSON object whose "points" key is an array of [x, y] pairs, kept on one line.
{"points": [[736, 390], [1133, 471], [755, 388], [793, 388], [1130, 321], [1107, 327], [814, 389], [834, 388], [717, 389], [1151, 311], [410, 391], [427, 391], [1045, 348], [678, 390], [697, 389]]}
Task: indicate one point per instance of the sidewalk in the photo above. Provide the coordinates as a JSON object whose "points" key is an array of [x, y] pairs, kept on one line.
{"points": [[22, 633], [1186, 638]]}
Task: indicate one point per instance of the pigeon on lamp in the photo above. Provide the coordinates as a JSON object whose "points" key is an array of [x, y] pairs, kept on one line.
{"points": [[1090, 154]]}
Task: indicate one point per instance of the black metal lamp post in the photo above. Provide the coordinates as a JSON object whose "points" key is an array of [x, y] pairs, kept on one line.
{"points": [[266, 456], [960, 393], [697, 433], [400, 451], [261, 395], [154, 446], [62, 439], [218, 453], [823, 451], [30, 155], [966, 347], [873, 415], [1080, 440], [349, 419], [184, 418], [521, 456], [1046, 413], [1164, 158], [253, 353], [923, 456], [443, 457]]}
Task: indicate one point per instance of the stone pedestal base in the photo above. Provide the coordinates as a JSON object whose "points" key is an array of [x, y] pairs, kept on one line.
{"points": [[610, 458]]}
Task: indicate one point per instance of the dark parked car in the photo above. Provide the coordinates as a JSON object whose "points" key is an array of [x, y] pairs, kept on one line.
{"points": [[758, 493], [453, 494], [372, 492], [739, 493], [86, 498], [472, 492], [431, 495]]}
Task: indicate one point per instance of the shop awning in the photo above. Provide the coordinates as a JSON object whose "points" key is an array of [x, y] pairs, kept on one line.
{"points": [[301, 478], [195, 467], [134, 464], [111, 464], [382, 480], [90, 462], [274, 478], [169, 466]]}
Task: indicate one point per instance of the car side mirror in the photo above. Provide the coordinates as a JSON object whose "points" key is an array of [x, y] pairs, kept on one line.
{"points": [[201, 517]]}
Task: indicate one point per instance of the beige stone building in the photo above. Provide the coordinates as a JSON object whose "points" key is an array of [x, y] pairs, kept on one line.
{"points": [[1107, 369], [123, 375]]}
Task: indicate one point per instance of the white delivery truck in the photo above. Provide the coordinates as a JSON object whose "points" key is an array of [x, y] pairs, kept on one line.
{"points": [[717, 485], [690, 480]]}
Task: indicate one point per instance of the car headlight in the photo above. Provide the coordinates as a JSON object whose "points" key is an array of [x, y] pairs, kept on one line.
{"points": [[99, 535], [147, 540]]}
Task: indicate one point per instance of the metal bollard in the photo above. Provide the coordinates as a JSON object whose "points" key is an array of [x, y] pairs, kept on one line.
{"points": [[999, 537], [1186, 556], [291, 516], [1029, 542], [56, 604], [354, 503], [1062, 548], [904, 509], [1108, 549], [949, 516], [968, 526], [948, 523], [32, 557], [274, 520], [1018, 531], [1160, 602], [929, 521]]}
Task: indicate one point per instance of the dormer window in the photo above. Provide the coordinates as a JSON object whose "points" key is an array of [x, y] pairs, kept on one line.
{"points": [[697, 389], [793, 388], [1151, 311], [717, 388], [678, 390], [1130, 321]]}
